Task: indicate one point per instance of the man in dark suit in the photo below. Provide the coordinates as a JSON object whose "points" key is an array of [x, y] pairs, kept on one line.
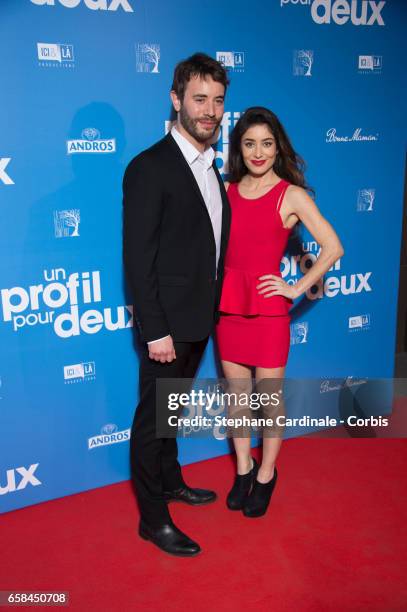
{"points": [[176, 226]]}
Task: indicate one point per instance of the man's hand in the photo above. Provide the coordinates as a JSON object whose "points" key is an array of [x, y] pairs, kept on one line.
{"points": [[162, 350]]}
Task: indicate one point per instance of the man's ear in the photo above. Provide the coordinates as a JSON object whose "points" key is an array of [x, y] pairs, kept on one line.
{"points": [[176, 102]]}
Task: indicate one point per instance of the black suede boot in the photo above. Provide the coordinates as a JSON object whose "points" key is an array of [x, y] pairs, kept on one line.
{"points": [[257, 502], [241, 488]]}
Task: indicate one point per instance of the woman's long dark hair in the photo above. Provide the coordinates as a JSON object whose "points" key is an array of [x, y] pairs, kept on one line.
{"points": [[288, 165]]}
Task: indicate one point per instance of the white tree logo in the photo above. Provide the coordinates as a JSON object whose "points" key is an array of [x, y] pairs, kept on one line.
{"points": [[299, 333], [303, 60], [72, 219], [153, 55], [64, 220], [148, 57], [366, 199]]}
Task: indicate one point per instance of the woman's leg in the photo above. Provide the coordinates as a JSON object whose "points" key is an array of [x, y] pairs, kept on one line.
{"points": [[239, 379], [268, 381]]}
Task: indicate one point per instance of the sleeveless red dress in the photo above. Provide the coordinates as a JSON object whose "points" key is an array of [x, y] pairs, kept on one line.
{"points": [[254, 330]]}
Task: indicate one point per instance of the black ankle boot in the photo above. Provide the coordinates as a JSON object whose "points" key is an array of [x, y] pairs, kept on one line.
{"points": [[241, 488], [257, 502]]}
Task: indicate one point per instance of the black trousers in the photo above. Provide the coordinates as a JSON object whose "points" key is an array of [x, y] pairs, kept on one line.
{"points": [[154, 461]]}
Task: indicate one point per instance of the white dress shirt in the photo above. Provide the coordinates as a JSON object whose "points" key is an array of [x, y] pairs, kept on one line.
{"points": [[201, 166]]}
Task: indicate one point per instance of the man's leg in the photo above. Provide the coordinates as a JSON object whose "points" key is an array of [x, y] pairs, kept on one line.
{"points": [[145, 447], [170, 468]]}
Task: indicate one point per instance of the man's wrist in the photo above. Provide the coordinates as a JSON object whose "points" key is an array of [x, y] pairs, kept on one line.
{"points": [[158, 339]]}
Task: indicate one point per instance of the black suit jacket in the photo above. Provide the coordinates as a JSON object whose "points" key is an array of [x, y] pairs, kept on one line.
{"points": [[169, 247]]}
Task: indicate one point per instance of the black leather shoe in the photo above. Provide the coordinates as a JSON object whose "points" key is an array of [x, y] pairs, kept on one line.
{"points": [[257, 502], [241, 488], [194, 497], [170, 539]]}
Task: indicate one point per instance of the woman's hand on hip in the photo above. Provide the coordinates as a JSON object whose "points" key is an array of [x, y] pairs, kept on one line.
{"points": [[271, 284]]}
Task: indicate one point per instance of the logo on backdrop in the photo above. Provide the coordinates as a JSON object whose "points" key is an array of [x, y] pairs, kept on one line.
{"points": [[66, 223], [91, 142], [109, 435], [233, 60], [357, 136], [147, 57], [302, 62], [328, 386], [365, 200], [328, 286], [55, 55], [80, 372], [39, 305], [4, 176], [229, 120], [341, 12], [370, 64], [94, 5], [299, 332], [359, 323], [18, 478]]}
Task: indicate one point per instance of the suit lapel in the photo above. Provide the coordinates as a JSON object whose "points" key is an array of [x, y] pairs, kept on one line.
{"points": [[225, 202], [188, 172], [226, 213]]}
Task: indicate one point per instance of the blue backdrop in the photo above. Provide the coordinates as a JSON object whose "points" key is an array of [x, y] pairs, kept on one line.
{"points": [[85, 87]]}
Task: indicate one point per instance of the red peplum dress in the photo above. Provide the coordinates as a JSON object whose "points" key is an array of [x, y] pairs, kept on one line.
{"points": [[254, 330]]}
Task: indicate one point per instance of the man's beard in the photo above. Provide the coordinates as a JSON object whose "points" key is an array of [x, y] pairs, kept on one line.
{"points": [[192, 126]]}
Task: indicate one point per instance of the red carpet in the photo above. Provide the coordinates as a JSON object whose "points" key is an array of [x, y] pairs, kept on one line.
{"points": [[334, 539]]}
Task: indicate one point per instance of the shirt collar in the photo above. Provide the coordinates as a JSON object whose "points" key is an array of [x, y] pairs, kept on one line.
{"points": [[190, 152]]}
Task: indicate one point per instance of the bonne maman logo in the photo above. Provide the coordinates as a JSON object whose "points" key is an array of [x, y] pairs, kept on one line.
{"points": [[39, 305]]}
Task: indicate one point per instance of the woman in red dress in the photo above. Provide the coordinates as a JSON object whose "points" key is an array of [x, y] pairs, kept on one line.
{"points": [[268, 197]]}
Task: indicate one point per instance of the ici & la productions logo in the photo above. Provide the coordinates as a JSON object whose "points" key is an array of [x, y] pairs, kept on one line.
{"points": [[66, 223], [370, 64], [299, 333], [147, 57], [79, 372], [91, 142], [340, 12], [357, 136], [302, 62], [55, 55], [4, 176], [365, 200], [27, 477], [233, 60], [109, 434], [94, 5], [359, 322], [39, 305]]}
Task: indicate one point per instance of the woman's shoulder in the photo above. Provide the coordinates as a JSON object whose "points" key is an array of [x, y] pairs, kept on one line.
{"points": [[297, 198], [295, 192]]}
